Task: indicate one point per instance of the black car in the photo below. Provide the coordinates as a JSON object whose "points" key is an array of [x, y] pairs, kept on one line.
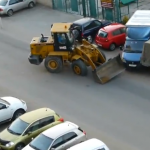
{"points": [[87, 28]]}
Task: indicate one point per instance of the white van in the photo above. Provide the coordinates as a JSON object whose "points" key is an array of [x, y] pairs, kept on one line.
{"points": [[91, 144]]}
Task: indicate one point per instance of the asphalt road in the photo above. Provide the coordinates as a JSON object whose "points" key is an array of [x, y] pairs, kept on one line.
{"points": [[118, 113]]}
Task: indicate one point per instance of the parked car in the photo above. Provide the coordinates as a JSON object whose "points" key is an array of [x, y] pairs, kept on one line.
{"points": [[11, 108], [111, 36], [59, 137], [91, 144], [87, 28], [28, 126], [8, 7]]}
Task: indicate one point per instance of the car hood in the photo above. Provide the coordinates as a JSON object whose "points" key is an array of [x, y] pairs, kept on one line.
{"points": [[28, 148], [131, 56], [11, 100], [6, 136]]}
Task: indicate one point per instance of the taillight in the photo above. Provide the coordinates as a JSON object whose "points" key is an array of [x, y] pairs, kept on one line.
{"points": [[61, 120], [1, 9], [82, 34], [84, 132]]}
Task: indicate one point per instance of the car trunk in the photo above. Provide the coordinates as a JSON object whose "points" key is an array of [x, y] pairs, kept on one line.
{"points": [[102, 36]]}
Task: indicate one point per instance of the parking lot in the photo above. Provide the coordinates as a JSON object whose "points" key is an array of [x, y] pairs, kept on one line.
{"points": [[117, 112]]}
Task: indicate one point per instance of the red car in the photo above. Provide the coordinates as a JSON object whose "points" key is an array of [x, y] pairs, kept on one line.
{"points": [[111, 36]]}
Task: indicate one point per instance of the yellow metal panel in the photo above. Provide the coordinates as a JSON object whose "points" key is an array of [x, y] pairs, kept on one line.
{"points": [[60, 27]]}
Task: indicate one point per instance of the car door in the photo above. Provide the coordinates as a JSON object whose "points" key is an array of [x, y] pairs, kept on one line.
{"points": [[123, 35], [46, 123], [15, 5], [91, 28], [116, 37], [70, 139], [58, 144], [5, 113], [32, 131]]}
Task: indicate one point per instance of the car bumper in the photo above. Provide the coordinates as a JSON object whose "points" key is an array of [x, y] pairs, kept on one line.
{"points": [[104, 45], [34, 59], [132, 64], [7, 148]]}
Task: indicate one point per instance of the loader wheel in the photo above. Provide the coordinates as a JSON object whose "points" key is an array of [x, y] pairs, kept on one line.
{"points": [[79, 67], [53, 64]]}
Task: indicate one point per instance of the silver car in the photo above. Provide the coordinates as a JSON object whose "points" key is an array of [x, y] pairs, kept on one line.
{"points": [[8, 7], [59, 137]]}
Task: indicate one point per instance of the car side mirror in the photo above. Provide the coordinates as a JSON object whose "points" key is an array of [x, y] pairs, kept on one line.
{"points": [[121, 48]]}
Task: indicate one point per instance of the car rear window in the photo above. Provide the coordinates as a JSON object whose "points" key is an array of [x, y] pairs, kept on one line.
{"points": [[102, 34]]}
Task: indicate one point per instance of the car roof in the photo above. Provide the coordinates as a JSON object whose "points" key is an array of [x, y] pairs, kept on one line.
{"points": [[60, 129], [88, 145], [83, 20], [112, 27], [34, 115]]}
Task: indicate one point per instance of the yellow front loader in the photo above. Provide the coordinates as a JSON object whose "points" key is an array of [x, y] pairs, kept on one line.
{"points": [[61, 48]]}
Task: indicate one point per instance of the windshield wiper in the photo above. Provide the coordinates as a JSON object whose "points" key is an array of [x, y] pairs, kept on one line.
{"points": [[11, 131], [34, 147]]}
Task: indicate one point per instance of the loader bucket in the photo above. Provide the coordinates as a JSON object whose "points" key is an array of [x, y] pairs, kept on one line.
{"points": [[108, 70]]}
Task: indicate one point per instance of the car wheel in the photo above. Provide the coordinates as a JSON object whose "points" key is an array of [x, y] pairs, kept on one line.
{"points": [[10, 12], [31, 5], [112, 47], [19, 146], [90, 39], [18, 113]]}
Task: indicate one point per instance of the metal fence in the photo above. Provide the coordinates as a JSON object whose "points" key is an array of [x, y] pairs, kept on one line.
{"points": [[90, 8]]}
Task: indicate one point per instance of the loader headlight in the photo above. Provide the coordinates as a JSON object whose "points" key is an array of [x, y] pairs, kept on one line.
{"points": [[9, 144]]}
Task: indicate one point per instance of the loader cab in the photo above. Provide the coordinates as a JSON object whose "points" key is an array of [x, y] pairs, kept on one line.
{"points": [[63, 38]]}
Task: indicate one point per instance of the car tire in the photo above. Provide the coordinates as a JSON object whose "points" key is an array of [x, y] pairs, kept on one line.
{"points": [[18, 113], [75, 34], [79, 67], [19, 146], [31, 5], [112, 47], [53, 64], [90, 39], [10, 12]]}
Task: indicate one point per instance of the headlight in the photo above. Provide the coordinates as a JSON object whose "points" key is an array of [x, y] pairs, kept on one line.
{"points": [[123, 60], [9, 144]]}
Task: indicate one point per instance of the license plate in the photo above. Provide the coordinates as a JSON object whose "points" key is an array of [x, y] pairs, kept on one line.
{"points": [[132, 65]]}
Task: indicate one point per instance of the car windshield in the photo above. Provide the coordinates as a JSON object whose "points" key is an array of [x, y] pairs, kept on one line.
{"points": [[102, 34], [134, 46], [41, 142], [17, 127], [3, 2]]}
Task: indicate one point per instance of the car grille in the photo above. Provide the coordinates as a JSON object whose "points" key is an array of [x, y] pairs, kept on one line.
{"points": [[135, 62], [2, 142]]}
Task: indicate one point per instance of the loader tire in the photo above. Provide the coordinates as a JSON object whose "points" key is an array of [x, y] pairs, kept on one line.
{"points": [[79, 67], [53, 64]]}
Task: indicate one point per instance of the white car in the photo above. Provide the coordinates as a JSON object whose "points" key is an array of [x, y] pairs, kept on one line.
{"points": [[11, 108], [59, 137], [91, 144], [10, 6]]}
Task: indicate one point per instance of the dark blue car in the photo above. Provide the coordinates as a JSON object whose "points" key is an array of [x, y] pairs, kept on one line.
{"points": [[87, 28]]}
